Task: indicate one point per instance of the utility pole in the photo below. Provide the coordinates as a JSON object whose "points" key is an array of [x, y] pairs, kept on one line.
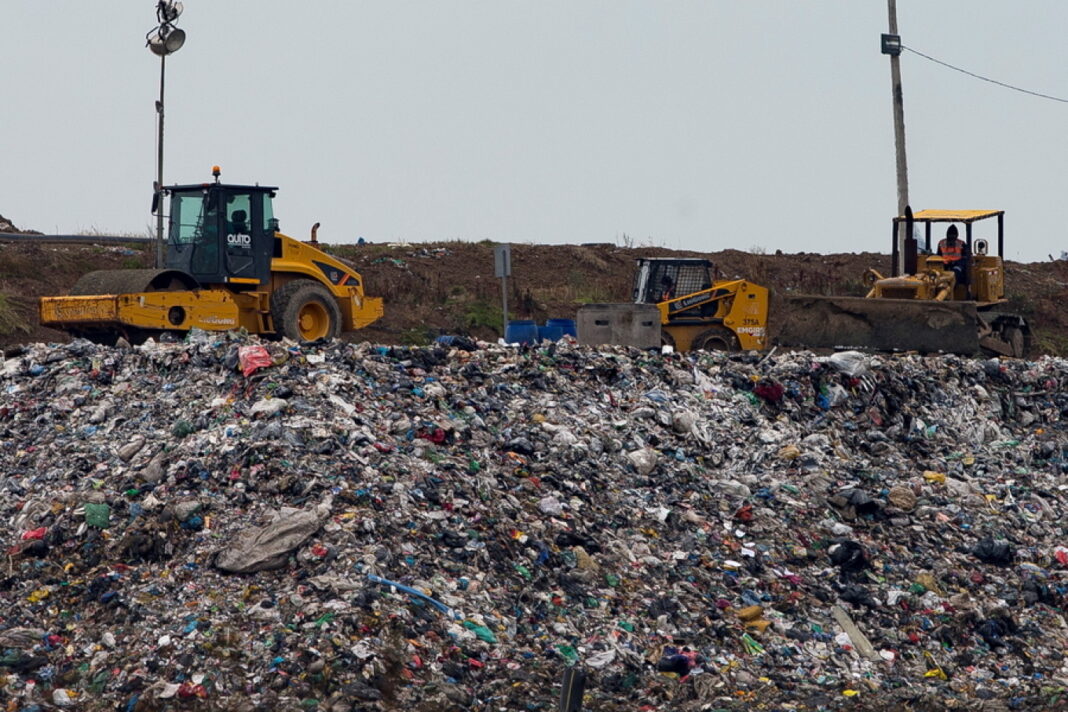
{"points": [[891, 45]]}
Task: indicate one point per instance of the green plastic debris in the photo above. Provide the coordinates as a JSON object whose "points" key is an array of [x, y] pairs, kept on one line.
{"points": [[97, 515], [181, 429], [100, 681], [751, 646], [568, 652], [524, 571], [481, 631]]}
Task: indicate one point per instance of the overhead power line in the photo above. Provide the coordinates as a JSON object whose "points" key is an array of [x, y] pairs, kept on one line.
{"points": [[986, 79]]}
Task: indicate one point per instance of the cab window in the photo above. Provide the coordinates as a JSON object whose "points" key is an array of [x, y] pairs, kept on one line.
{"points": [[269, 223], [240, 257], [238, 216], [187, 217]]}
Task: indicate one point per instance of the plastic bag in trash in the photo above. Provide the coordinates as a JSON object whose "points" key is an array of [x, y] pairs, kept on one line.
{"points": [[847, 555], [990, 551], [852, 363], [253, 358]]}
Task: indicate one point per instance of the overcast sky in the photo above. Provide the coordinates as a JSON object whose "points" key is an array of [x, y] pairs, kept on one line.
{"points": [[698, 124]]}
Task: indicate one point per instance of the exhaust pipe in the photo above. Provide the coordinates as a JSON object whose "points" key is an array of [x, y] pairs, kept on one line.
{"points": [[911, 258], [314, 242]]}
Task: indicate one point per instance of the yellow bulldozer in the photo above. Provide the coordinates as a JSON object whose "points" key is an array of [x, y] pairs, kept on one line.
{"points": [[226, 266], [929, 306], [698, 312]]}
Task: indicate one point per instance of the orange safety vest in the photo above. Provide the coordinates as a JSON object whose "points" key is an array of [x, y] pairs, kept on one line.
{"points": [[951, 253]]}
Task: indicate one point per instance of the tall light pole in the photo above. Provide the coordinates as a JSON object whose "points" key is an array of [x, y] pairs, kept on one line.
{"points": [[163, 40], [891, 45]]}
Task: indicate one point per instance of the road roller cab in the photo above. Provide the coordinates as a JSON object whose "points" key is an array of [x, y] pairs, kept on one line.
{"points": [[222, 234]]}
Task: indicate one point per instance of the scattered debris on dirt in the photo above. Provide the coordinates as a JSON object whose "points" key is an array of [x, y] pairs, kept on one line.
{"points": [[449, 287]]}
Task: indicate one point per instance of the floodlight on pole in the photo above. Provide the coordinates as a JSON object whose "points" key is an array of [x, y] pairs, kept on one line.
{"points": [[165, 39], [163, 44]]}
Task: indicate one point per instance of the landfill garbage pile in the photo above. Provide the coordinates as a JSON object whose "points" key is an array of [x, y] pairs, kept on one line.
{"points": [[229, 524]]}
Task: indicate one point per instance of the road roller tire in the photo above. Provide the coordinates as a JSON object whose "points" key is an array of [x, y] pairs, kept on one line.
{"points": [[305, 311]]}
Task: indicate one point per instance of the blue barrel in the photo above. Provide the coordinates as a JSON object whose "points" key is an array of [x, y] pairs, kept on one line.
{"points": [[521, 331], [567, 327], [549, 333]]}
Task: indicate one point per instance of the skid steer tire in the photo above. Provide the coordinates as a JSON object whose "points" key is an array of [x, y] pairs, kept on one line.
{"points": [[305, 311], [718, 338]]}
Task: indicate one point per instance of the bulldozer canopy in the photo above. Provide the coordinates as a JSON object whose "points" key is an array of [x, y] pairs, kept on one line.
{"points": [[965, 216]]}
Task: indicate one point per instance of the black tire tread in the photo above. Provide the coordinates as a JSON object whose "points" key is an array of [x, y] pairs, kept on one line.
{"points": [[718, 332], [291, 296]]}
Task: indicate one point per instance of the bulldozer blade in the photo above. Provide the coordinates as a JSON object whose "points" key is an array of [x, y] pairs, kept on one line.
{"points": [[875, 324]]}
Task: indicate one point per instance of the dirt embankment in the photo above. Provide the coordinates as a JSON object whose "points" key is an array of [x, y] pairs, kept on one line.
{"points": [[449, 287], [7, 226]]}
